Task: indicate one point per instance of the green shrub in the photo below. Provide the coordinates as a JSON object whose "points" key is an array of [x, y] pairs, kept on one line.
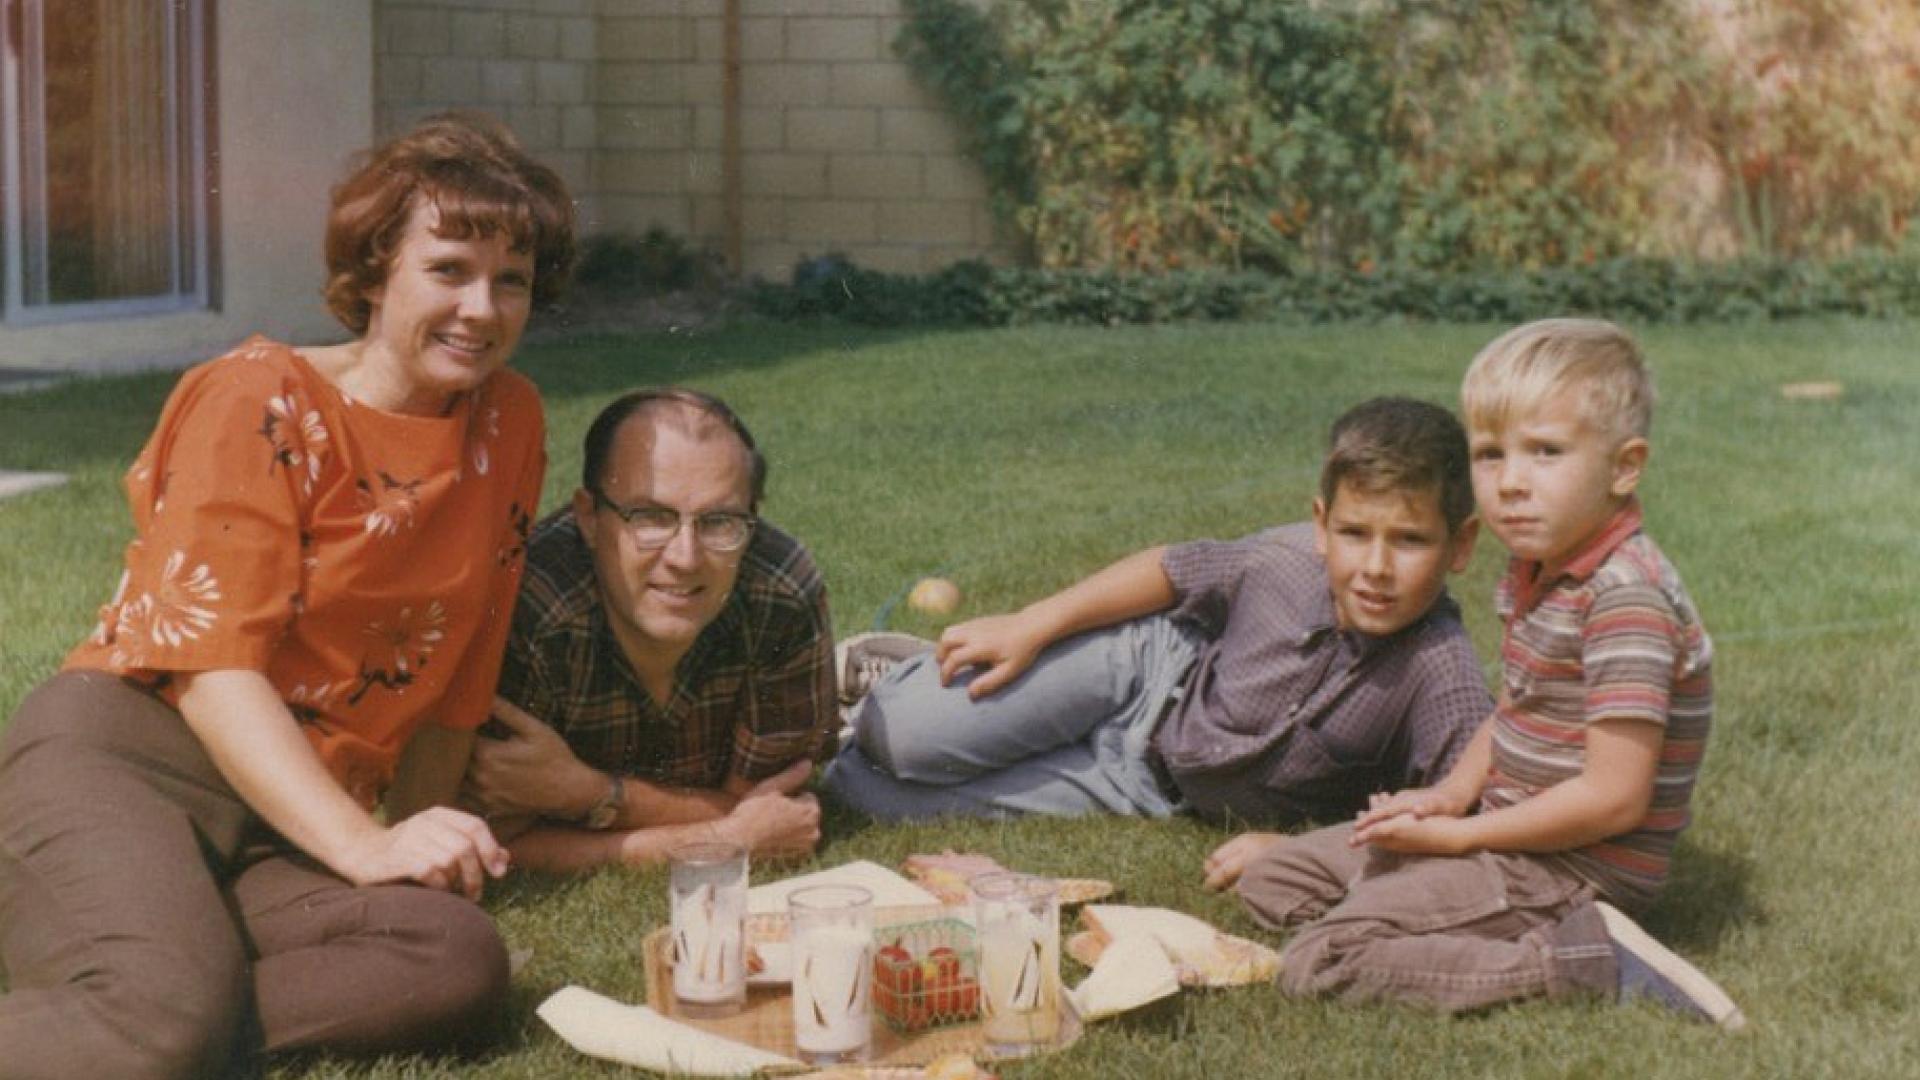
{"points": [[621, 264], [1632, 289], [1449, 134]]}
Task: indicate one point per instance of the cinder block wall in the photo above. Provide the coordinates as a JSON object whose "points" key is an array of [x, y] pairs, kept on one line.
{"points": [[840, 149], [529, 62]]}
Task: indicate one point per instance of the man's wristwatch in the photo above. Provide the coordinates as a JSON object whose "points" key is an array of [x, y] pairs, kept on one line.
{"points": [[603, 814]]}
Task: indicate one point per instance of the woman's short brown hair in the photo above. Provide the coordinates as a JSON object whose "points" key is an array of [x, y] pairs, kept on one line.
{"points": [[473, 171]]}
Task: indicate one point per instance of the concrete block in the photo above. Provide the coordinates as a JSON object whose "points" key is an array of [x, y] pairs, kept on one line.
{"points": [[950, 176], [479, 33], [646, 39], [786, 175], [763, 129], [506, 81], [762, 40], [758, 218], [763, 217], [704, 84], [703, 171], [890, 258], [537, 126], [787, 9], [450, 79], [925, 131], [558, 82], [648, 127], [639, 84], [784, 84], [877, 84], [832, 129], [925, 222], [708, 44], [833, 40], [632, 214], [579, 39], [533, 37], [579, 127], [399, 77], [641, 172], [863, 7], [408, 31], [576, 170], [874, 176], [831, 223]]}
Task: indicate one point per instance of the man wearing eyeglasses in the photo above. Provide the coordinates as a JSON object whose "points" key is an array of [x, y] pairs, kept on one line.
{"points": [[669, 674]]}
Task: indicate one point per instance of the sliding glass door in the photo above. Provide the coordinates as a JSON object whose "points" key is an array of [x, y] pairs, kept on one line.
{"points": [[107, 185]]}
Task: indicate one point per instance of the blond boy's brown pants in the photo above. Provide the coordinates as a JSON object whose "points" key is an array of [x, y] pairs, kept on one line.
{"points": [[1452, 933], [151, 926]]}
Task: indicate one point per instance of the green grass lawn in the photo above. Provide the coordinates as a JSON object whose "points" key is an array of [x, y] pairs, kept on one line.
{"points": [[1015, 461]]}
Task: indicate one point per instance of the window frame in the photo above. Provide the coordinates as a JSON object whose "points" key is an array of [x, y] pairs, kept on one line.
{"points": [[191, 169]]}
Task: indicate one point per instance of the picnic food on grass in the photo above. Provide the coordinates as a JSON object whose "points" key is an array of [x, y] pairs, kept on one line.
{"points": [[636, 1035], [925, 975], [946, 875], [1202, 955], [1133, 971]]}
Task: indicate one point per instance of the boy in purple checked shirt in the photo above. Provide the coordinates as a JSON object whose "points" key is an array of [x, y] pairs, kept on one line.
{"points": [[1275, 679]]}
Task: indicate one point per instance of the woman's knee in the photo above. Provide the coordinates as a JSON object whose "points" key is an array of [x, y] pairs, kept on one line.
{"points": [[460, 973]]}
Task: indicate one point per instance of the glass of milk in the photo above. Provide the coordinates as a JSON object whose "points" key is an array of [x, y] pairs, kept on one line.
{"points": [[707, 894], [1018, 920], [832, 953]]}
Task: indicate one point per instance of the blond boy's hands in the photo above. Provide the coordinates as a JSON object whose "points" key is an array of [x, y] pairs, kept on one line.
{"points": [[1408, 835], [1002, 646], [1232, 858], [1418, 802]]}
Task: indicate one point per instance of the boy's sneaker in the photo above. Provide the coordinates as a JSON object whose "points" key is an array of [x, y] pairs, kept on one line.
{"points": [[862, 659], [1652, 971]]}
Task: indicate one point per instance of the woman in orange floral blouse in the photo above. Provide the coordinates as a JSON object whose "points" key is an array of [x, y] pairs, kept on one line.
{"points": [[311, 618]]}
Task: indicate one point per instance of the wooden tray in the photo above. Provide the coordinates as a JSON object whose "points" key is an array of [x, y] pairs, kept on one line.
{"points": [[766, 1021]]}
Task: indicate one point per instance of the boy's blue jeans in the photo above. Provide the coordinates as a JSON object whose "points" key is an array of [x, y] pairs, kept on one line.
{"points": [[1070, 736], [1452, 933]]}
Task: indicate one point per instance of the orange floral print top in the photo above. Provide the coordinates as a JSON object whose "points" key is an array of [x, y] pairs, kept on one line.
{"points": [[365, 561]]}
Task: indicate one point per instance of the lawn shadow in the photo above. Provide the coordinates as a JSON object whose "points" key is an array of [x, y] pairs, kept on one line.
{"points": [[1709, 895]]}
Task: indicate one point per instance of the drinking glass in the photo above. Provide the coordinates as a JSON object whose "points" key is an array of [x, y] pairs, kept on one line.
{"points": [[707, 891], [832, 972], [1018, 919]]}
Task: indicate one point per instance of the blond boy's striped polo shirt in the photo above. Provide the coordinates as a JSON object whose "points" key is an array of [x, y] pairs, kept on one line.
{"points": [[1613, 636]]}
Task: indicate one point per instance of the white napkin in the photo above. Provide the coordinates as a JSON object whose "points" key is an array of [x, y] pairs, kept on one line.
{"points": [[636, 1035], [889, 889], [1133, 971]]}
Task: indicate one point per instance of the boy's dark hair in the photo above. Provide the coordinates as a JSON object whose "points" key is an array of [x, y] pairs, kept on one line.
{"points": [[1399, 444], [662, 404]]}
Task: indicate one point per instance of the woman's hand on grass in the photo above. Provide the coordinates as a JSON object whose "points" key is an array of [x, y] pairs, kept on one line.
{"points": [[1231, 859], [440, 848], [1001, 646]]}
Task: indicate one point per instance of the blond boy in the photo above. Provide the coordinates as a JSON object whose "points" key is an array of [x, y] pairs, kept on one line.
{"points": [[1582, 776]]}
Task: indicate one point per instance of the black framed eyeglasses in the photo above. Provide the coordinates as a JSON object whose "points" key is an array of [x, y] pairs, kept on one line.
{"points": [[655, 526]]}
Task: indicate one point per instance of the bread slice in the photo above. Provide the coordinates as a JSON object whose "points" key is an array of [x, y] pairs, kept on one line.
{"points": [[1202, 955]]}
